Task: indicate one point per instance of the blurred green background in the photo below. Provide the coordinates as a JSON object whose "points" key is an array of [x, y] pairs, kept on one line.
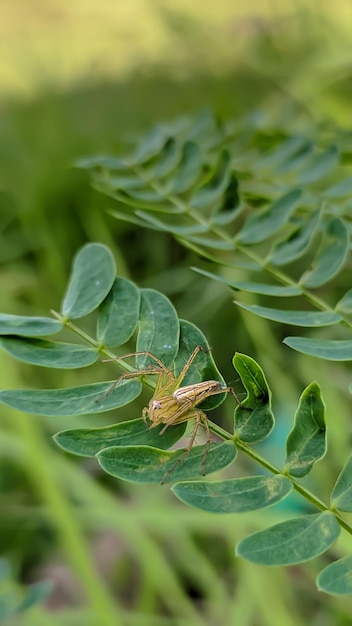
{"points": [[86, 77]]}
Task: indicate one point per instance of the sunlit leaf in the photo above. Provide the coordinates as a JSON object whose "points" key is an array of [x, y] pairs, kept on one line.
{"points": [[151, 465], [294, 318], [119, 313], [92, 277], [89, 441], [158, 329], [288, 543], [49, 353], [306, 442], [334, 350], [237, 495], [336, 578], [331, 255], [94, 398], [253, 418]]}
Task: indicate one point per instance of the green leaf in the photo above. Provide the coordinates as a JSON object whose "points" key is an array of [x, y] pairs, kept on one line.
{"points": [[150, 144], [212, 242], [38, 592], [306, 442], [72, 401], [92, 277], [176, 229], [259, 288], [150, 465], [237, 495], [89, 441], [294, 318], [338, 350], [203, 367], [158, 330], [209, 193], [345, 304], [49, 353], [331, 255], [322, 165], [288, 543], [253, 418], [28, 326], [230, 206], [291, 249], [167, 160], [341, 497], [341, 189], [101, 161], [263, 224], [336, 578], [189, 169], [119, 313]]}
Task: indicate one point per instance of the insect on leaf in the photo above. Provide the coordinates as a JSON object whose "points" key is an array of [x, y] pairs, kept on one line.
{"points": [[89, 441], [150, 465]]}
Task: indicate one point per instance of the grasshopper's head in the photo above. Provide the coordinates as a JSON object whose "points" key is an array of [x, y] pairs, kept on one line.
{"points": [[161, 410]]}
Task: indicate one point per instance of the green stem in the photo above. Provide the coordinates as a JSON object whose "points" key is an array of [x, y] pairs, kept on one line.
{"points": [[244, 447]]}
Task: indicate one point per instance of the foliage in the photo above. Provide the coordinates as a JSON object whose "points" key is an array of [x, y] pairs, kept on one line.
{"points": [[130, 451]]}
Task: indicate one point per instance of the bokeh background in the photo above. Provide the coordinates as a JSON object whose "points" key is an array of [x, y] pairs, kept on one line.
{"points": [[81, 77]]}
